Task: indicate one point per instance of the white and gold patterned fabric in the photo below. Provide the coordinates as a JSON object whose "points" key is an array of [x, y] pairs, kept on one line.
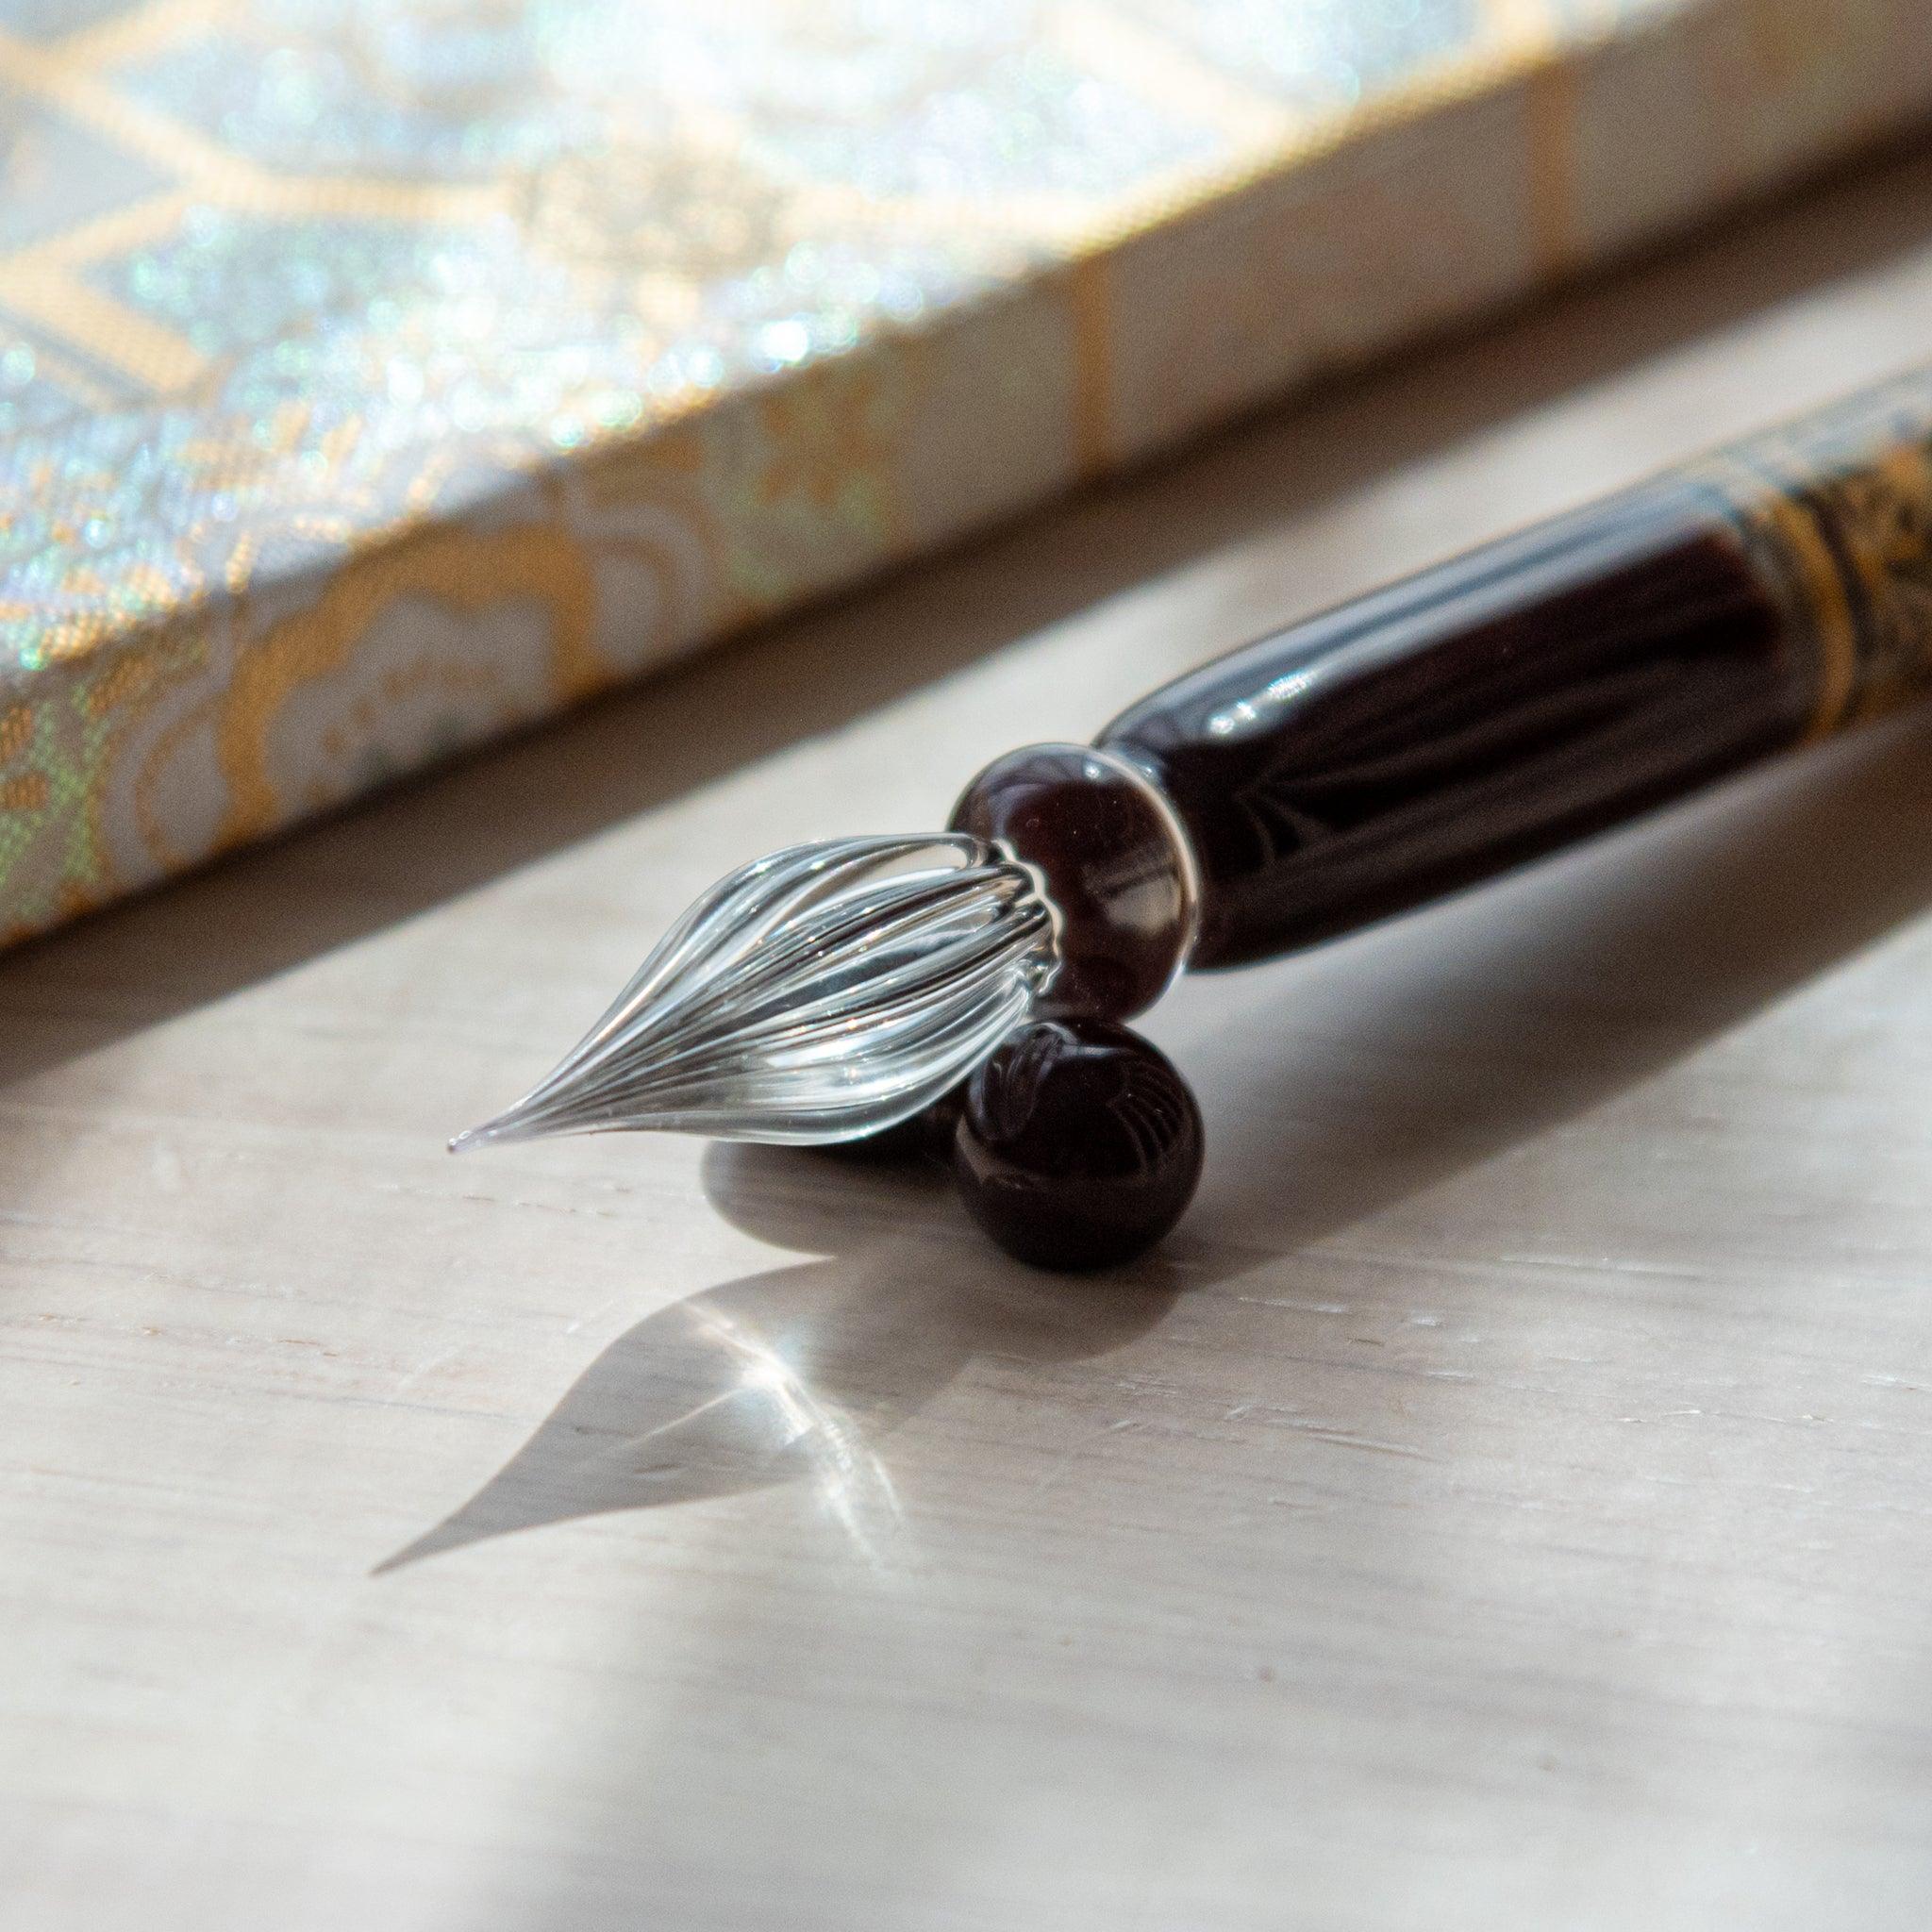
{"points": [[378, 374]]}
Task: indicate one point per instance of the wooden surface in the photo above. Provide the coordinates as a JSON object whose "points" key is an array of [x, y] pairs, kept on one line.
{"points": [[1508, 1503]]}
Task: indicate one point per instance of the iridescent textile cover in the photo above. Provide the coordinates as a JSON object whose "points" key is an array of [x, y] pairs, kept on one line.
{"points": [[376, 374]]}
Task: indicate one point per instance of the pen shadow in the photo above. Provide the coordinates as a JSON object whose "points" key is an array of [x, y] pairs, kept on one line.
{"points": [[797, 1373], [432, 838], [1333, 1088]]}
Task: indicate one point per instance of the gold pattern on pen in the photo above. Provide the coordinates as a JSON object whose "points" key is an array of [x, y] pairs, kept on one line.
{"points": [[1835, 513]]}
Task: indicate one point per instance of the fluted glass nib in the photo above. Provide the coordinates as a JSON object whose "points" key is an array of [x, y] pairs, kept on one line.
{"points": [[819, 994]]}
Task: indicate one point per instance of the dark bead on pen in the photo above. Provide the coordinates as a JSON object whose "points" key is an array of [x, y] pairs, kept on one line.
{"points": [[1079, 1146], [1114, 863]]}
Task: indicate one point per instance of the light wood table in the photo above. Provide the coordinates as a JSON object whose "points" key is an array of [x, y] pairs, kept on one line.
{"points": [[1507, 1505]]}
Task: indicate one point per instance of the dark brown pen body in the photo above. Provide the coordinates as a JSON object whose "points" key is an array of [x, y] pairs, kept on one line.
{"points": [[1554, 683]]}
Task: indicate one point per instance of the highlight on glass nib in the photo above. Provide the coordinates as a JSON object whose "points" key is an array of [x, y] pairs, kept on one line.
{"points": [[822, 994], [966, 991]]}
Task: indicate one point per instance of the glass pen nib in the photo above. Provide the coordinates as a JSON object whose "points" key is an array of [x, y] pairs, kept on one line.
{"points": [[820, 995]]}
